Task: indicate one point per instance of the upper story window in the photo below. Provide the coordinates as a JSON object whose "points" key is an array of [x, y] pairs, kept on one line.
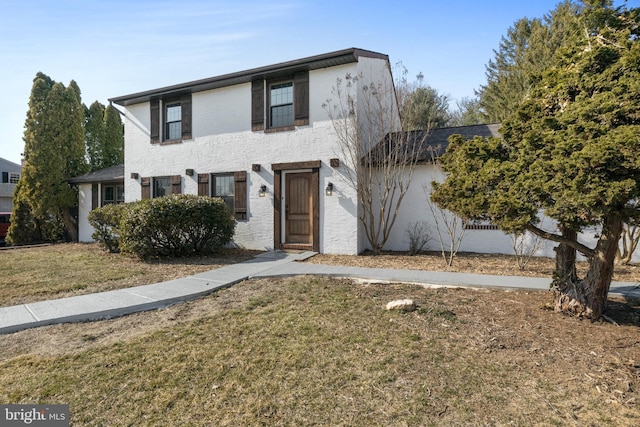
{"points": [[280, 104], [173, 119], [10, 177], [170, 119]]}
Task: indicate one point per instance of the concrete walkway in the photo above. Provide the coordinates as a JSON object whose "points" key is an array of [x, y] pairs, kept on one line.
{"points": [[105, 305]]}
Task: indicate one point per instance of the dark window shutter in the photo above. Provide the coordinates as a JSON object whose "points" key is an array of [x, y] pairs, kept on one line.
{"points": [[257, 105], [185, 103], [5, 177], [94, 196], [154, 131], [301, 98], [240, 194], [145, 184], [203, 184], [176, 184]]}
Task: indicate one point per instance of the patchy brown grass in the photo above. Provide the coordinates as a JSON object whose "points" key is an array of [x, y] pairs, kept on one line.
{"points": [[495, 264], [63, 270], [318, 351]]}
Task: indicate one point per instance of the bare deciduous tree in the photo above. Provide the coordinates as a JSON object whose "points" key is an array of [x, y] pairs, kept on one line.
{"points": [[381, 155], [525, 245], [449, 226], [629, 240], [419, 234]]}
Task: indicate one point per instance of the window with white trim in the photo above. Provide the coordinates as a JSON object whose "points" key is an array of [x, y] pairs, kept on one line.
{"points": [[281, 105], [173, 121]]}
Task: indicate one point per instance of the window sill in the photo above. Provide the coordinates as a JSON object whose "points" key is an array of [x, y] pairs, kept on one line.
{"points": [[281, 129], [170, 142]]}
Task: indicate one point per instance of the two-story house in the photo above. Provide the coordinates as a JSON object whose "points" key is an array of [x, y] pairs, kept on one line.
{"points": [[261, 140]]}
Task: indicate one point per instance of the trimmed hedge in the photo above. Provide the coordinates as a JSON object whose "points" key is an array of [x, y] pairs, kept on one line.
{"points": [[175, 225]]}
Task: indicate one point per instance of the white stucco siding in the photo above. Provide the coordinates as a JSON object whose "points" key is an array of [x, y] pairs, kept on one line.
{"points": [[415, 208], [223, 142], [85, 230]]}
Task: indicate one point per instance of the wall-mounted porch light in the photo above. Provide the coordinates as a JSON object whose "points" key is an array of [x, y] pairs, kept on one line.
{"points": [[262, 191], [329, 190]]}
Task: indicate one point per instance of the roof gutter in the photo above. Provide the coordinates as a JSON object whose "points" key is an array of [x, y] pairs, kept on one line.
{"points": [[271, 71]]}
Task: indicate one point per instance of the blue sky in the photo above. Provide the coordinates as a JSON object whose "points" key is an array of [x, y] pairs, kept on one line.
{"points": [[116, 47]]}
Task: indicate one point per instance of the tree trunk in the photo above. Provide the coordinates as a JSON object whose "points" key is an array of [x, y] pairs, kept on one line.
{"points": [[565, 261], [70, 225], [587, 297]]}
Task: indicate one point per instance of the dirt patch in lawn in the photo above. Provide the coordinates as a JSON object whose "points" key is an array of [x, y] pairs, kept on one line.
{"points": [[321, 351]]}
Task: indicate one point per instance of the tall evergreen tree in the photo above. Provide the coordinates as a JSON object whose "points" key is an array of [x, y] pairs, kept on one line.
{"points": [[570, 150], [104, 136], [54, 152], [94, 135], [425, 109], [466, 113], [525, 52], [113, 137]]}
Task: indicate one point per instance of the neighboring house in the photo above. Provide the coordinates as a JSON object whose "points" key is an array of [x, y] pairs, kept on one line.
{"points": [[97, 189], [10, 175]]}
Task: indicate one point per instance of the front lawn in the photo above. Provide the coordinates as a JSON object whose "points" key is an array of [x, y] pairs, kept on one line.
{"points": [[309, 351], [62, 270]]}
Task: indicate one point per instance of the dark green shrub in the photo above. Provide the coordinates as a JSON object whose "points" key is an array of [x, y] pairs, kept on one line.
{"points": [[106, 222], [175, 225]]}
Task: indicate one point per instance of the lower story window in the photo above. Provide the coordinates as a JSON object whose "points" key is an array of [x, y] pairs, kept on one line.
{"points": [[223, 187], [112, 194], [161, 186]]}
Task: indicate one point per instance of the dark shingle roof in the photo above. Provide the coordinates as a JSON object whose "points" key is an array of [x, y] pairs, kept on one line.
{"points": [[111, 174], [270, 71], [435, 143], [438, 139]]}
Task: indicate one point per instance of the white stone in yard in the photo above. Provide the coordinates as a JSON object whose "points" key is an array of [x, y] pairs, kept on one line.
{"points": [[401, 304]]}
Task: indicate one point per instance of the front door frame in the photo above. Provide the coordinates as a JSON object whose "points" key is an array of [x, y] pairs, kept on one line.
{"points": [[278, 201]]}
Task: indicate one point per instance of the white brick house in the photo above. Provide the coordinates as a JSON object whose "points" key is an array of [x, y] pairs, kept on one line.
{"points": [[260, 139]]}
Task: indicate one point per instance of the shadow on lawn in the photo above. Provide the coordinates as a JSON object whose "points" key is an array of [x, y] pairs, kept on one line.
{"points": [[624, 313]]}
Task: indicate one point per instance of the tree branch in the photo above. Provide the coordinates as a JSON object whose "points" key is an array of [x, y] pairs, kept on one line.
{"points": [[585, 250]]}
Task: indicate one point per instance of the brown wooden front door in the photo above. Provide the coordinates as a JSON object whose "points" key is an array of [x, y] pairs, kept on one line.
{"points": [[299, 208]]}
